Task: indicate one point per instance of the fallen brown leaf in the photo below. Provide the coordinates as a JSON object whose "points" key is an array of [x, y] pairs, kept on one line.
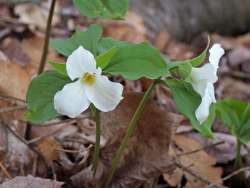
{"points": [[200, 163], [35, 15], [146, 156], [14, 80], [31, 182], [16, 74], [49, 149], [131, 29], [14, 51]]}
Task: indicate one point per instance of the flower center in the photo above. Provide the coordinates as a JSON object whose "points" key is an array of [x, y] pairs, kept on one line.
{"points": [[88, 78]]}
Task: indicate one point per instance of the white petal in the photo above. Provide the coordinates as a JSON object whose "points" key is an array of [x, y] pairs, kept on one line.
{"points": [[80, 62], [216, 52], [104, 94], [71, 100], [202, 112], [206, 73], [200, 87]]}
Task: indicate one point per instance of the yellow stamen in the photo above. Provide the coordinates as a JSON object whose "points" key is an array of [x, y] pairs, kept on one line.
{"points": [[88, 78]]}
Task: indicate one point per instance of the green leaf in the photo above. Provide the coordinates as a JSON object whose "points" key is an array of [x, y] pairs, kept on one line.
{"points": [[134, 61], [88, 39], [182, 71], [103, 59], [185, 70], [108, 9], [107, 42], [187, 101], [235, 115], [107, 47], [195, 61], [40, 96], [59, 67]]}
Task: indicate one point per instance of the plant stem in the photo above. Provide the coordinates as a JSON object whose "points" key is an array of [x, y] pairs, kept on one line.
{"points": [[129, 132], [96, 154], [28, 130], [238, 160], [47, 35]]}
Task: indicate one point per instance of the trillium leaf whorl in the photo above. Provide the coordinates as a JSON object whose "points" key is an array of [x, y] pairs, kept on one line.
{"points": [[89, 86]]}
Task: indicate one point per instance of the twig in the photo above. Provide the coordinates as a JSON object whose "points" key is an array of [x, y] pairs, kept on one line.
{"points": [[39, 139], [68, 150], [229, 176], [47, 36], [12, 108], [44, 56], [186, 169], [5, 171], [49, 124], [239, 74], [21, 139], [4, 32], [200, 149], [11, 99]]}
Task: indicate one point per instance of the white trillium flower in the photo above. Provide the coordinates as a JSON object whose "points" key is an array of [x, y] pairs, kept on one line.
{"points": [[202, 80], [90, 87]]}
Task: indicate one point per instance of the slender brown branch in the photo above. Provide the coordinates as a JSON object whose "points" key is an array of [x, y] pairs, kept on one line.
{"points": [[5, 171], [47, 36], [229, 176], [186, 169], [39, 139], [239, 74], [54, 123], [19, 137], [11, 99], [12, 108], [200, 149]]}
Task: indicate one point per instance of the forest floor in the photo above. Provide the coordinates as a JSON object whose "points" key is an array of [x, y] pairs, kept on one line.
{"points": [[58, 152]]}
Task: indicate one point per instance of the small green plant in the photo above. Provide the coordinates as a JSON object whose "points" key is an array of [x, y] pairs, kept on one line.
{"points": [[235, 115], [82, 82]]}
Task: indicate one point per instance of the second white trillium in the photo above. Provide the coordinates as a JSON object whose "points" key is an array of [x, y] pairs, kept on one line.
{"points": [[202, 80], [90, 87]]}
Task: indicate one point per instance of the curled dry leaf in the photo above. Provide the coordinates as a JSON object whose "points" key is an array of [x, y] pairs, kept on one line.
{"points": [[31, 182], [19, 158], [66, 145], [49, 149], [34, 15], [146, 156]]}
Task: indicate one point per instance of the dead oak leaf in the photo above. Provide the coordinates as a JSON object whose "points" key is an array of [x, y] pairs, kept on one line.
{"points": [[146, 156], [200, 163]]}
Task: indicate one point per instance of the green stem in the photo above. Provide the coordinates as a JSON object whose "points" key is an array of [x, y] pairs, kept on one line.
{"points": [[238, 160], [47, 35], [129, 132], [98, 139]]}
